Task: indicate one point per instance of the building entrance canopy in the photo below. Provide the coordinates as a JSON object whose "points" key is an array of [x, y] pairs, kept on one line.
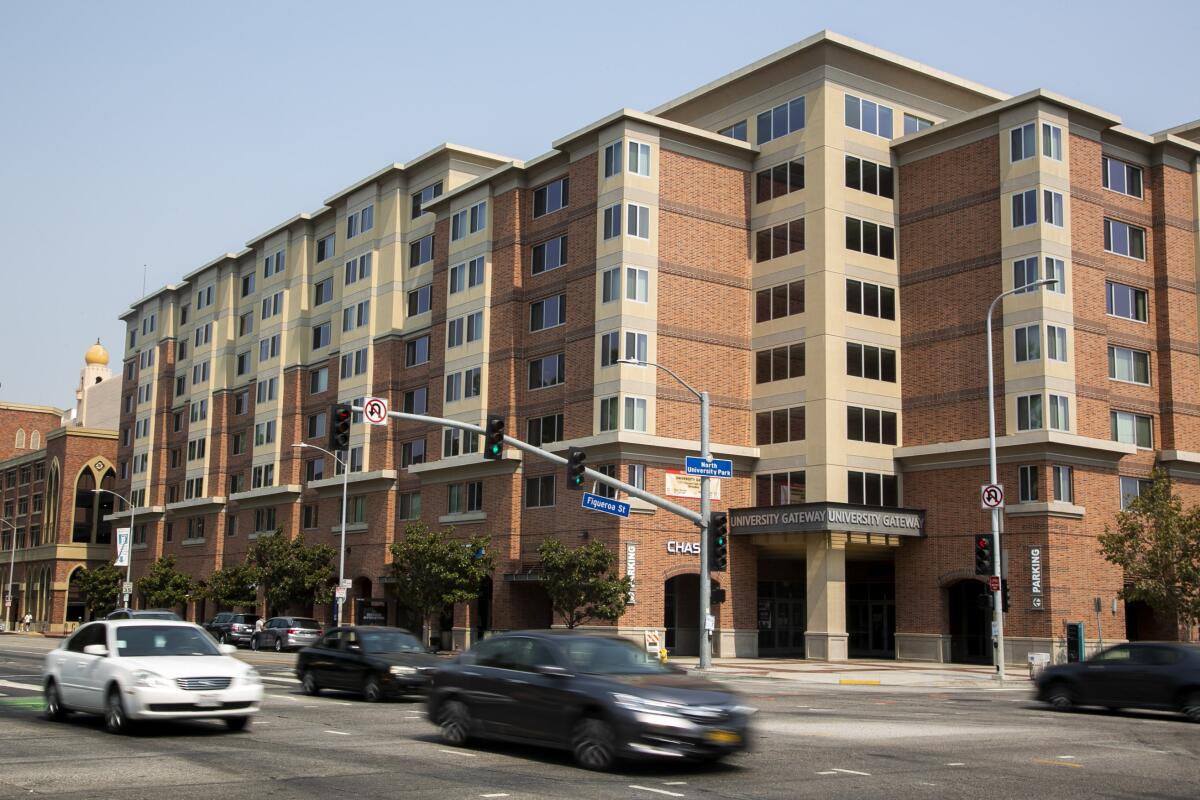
{"points": [[826, 517]]}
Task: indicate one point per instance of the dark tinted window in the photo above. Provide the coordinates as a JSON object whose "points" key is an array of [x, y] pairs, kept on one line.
{"points": [[305, 622], [389, 642], [1119, 655], [602, 656], [88, 634], [1159, 656], [245, 619]]}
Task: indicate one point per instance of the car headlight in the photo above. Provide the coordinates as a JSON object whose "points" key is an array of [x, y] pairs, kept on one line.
{"points": [[146, 678], [251, 676], [633, 702], [400, 669]]}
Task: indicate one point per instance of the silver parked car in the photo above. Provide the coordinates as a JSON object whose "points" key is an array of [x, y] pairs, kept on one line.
{"points": [[286, 633]]}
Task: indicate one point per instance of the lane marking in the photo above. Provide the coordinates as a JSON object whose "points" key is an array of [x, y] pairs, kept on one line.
{"points": [[458, 753], [19, 685], [1067, 758], [656, 791], [854, 682], [851, 772], [338, 733], [277, 680], [827, 772], [674, 783], [956, 764], [1057, 763], [495, 794]]}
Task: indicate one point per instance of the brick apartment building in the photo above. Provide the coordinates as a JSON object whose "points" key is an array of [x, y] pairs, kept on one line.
{"points": [[815, 240]]}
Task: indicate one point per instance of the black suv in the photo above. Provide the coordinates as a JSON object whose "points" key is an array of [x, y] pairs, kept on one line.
{"points": [[1157, 675], [229, 627]]}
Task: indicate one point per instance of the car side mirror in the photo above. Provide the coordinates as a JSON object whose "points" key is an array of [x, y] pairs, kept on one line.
{"points": [[95, 650], [226, 649], [552, 671], [355, 646]]}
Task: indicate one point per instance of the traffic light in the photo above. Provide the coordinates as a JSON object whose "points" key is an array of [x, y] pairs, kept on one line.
{"points": [[493, 439], [339, 427], [718, 537], [1004, 595], [576, 464], [985, 561]]}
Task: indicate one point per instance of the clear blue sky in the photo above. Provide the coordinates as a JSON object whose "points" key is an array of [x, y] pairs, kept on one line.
{"points": [[168, 133]]}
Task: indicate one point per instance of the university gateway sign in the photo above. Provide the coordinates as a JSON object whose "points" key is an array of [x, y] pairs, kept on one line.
{"points": [[817, 517]]}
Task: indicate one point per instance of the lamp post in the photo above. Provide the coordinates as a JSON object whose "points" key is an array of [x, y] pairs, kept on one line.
{"points": [[337, 610], [12, 567], [998, 558], [129, 556], [705, 556]]}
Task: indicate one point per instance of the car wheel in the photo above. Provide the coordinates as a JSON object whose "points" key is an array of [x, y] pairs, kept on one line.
{"points": [[372, 690], [224, 638], [279, 645], [1059, 696], [308, 683], [115, 718], [454, 723], [1191, 706], [237, 723], [254, 643], [594, 744], [55, 710]]}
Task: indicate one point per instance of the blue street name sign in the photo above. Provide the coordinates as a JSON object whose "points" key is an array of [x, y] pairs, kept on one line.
{"points": [[712, 468], [595, 502]]}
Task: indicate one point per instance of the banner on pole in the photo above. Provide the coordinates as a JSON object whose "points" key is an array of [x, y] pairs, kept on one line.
{"points": [[122, 548]]}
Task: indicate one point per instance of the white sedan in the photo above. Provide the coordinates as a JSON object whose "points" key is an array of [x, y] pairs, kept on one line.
{"points": [[135, 669]]}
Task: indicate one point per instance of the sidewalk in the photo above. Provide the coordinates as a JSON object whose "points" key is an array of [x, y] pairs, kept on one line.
{"points": [[866, 672]]}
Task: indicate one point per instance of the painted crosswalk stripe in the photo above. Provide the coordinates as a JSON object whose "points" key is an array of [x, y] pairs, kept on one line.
{"points": [[656, 791], [277, 680], [18, 685]]}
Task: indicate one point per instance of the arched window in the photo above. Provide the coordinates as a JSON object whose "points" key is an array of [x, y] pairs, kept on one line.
{"points": [[35, 441], [20, 442], [50, 521], [85, 507]]}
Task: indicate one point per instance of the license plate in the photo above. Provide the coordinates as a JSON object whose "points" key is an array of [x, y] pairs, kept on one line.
{"points": [[723, 737], [208, 701]]}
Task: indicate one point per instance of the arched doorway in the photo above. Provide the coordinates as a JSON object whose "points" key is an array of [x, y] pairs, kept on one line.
{"points": [[76, 611], [481, 622], [681, 614], [970, 623]]}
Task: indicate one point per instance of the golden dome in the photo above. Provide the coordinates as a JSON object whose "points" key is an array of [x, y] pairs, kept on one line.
{"points": [[96, 354]]}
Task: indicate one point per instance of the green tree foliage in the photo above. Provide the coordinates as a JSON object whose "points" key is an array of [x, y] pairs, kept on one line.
{"points": [[582, 582], [291, 572], [163, 586], [101, 588], [1157, 544], [433, 569], [233, 586]]}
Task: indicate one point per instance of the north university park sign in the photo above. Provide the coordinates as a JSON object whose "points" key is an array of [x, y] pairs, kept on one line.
{"points": [[815, 517]]}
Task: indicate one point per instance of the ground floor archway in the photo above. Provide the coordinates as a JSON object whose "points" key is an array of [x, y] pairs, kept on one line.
{"points": [[681, 614], [970, 622]]}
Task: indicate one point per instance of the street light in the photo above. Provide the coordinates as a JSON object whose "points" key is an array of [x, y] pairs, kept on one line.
{"points": [[341, 598], [705, 588], [12, 566], [129, 555], [998, 559]]}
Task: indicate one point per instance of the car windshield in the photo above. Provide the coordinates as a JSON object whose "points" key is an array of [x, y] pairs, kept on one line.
{"points": [[389, 642], [300, 622], [138, 641], [156, 615], [601, 656]]}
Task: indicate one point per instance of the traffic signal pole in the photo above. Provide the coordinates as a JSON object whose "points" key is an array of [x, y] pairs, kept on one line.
{"points": [[705, 545]]}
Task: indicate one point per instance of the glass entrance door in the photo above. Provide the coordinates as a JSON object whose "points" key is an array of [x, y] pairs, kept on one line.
{"points": [[782, 618]]}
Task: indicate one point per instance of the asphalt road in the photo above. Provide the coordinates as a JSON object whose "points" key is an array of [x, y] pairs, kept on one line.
{"points": [[810, 741]]}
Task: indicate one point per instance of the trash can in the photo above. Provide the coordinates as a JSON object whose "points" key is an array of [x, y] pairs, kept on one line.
{"points": [[1037, 663]]}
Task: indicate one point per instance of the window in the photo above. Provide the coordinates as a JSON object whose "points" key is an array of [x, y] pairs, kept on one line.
{"points": [[639, 158], [180, 388], [1052, 141], [1056, 269], [1117, 176], [351, 225], [1125, 301], [357, 269], [200, 371], [241, 402], [268, 348], [1131, 488], [453, 387], [262, 476], [870, 425], [416, 401], [870, 238], [871, 489], [264, 433], [781, 120], [551, 197], [1024, 208], [637, 284], [416, 351], [475, 272], [777, 302], [458, 225], [472, 382], [196, 449], [548, 313], [610, 285], [612, 222], [636, 475], [454, 332], [354, 363], [410, 505], [779, 489], [1028, 343], [871, 362], [779, 426], [1056, 343], [320, 336], [779, 240], [779, 363], [870, 300], [547, 371], [148, 324], [475, 326], [610, 348], [424, 196], [204, 334], [779, 180], [318, 380], [314, 469], [1025, 274], [412, 453], [1130, 366], [912, 124], [420, 251], [357, 513], [465, 497], [183, 315], [612, 159], [317, 424], [1052, 207], [420, 301], [1130, 428], [367, 215], [1061, 484], [608, 414], [635, 414], [324, 248], [637, 219], [1027, 480], [637, 346], [309, 516], [199, 411], [1060, 414], [549, 255], [193, 488], [465, 275], [264, 520], [868, 116], [539, 492], [204, 298], [246, 323], [322, 291], [1124, 239], [1029, 412], [869, 177], [544, 430], [1022, 143], [735, 131]]}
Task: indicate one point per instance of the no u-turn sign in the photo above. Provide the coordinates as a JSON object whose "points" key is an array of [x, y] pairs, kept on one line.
{"points": [[991, 495]]}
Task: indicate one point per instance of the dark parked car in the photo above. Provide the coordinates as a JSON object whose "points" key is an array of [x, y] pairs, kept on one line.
{"points": [[1157, 675], [144, 613], [286, 633], [378, 662], [232, 628], [602, 697]]}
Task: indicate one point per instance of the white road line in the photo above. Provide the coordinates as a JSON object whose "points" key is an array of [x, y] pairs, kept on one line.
{"points": [[338, 733], [19, 685], [656, 791], [458, 753], [827, 772], [277, 680], [674, 783], [495, 794], [851, 772], [1066, 758], [956, 764]]}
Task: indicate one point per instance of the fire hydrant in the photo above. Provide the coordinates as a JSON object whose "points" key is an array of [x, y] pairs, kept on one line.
{"points": [[662, 654]]}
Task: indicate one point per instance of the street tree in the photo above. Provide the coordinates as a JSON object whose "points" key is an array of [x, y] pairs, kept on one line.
{"points": [[233, 586], [101, 588], [582, 582], [433, 569], [1157, 544], [163, 586], [292, 573]]}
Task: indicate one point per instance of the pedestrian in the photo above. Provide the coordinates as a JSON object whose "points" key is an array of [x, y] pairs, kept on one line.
{"points": [[27, 620], [258, 625]]}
